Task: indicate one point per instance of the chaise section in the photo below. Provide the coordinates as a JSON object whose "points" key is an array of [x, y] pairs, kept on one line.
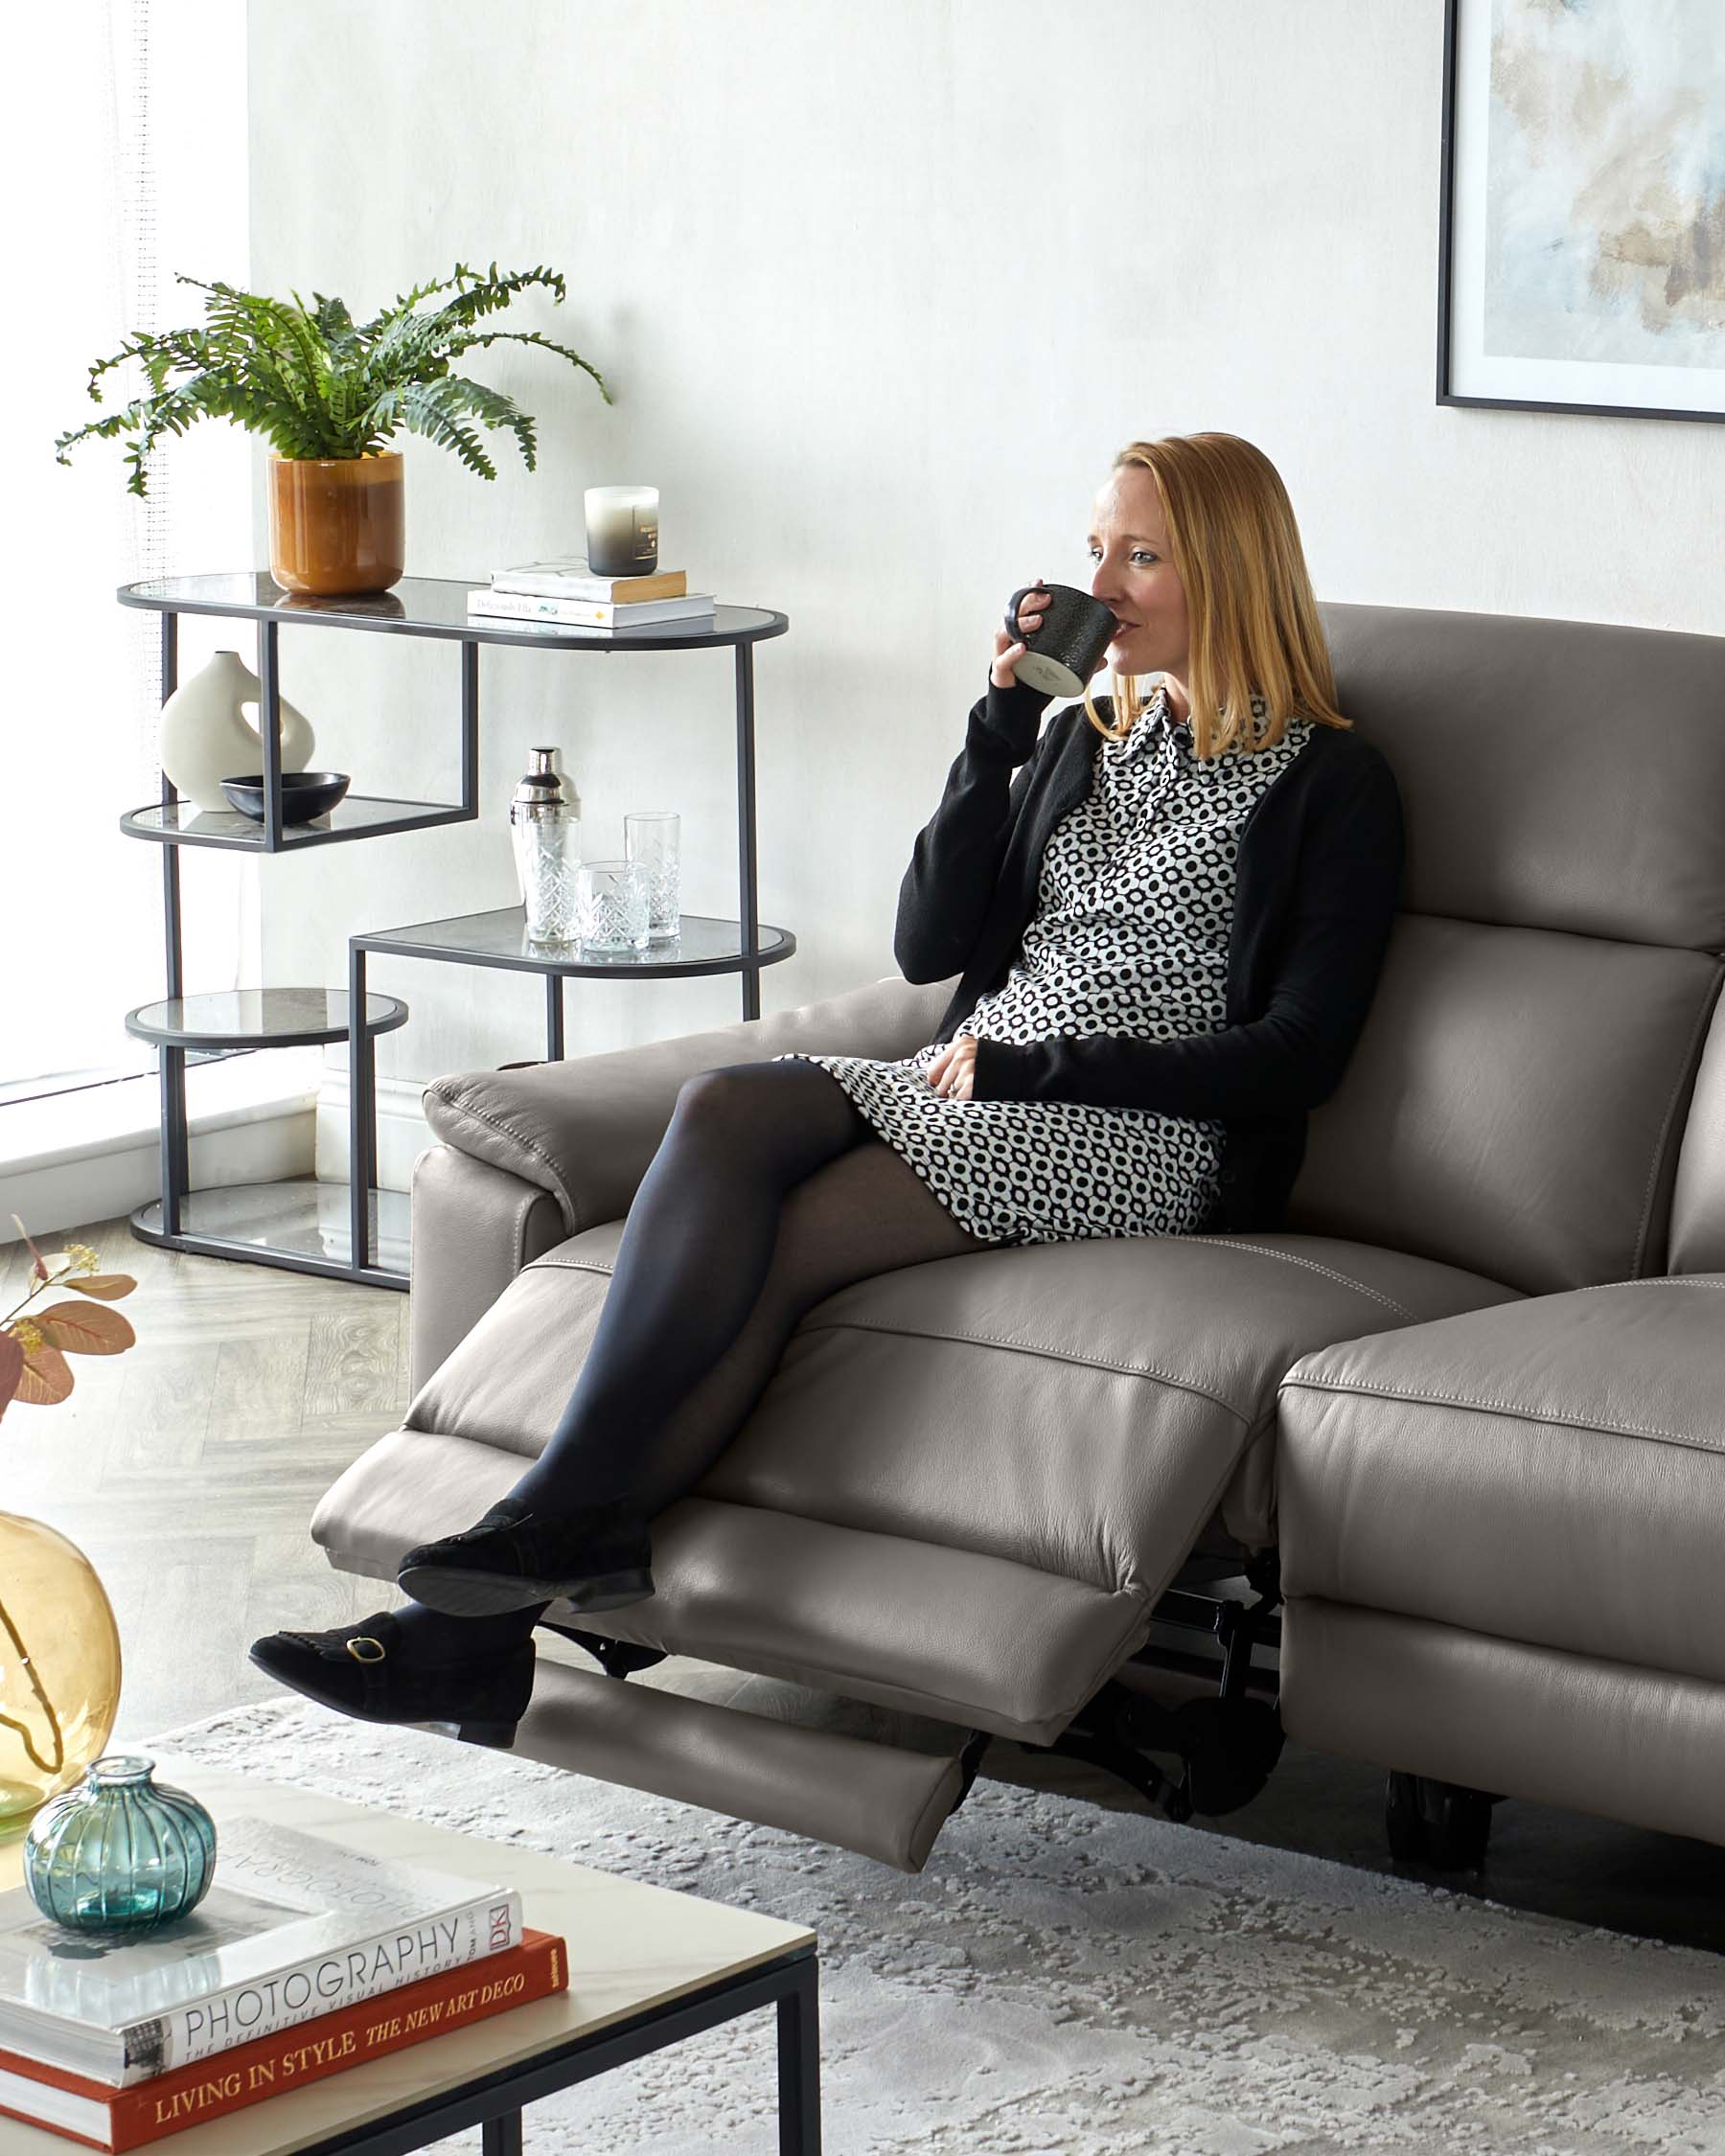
{"points": [[1502, 1511]]}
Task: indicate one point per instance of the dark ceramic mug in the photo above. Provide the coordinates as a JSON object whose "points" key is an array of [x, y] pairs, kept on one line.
{"points": [[1061, 656]]}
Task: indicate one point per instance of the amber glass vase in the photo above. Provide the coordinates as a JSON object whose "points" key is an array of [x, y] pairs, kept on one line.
{"points": [[60, 1667], [335, 524]]}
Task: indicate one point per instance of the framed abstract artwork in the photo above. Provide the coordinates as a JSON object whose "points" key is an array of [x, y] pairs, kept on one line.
{"points": [[1581, 260]]}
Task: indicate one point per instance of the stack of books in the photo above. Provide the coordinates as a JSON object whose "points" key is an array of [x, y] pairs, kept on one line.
{"points": [[565, 594], [306, 1957]]}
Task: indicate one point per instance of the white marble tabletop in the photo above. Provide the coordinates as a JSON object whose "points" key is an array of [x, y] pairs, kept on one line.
{"points": [[630, 1947]]}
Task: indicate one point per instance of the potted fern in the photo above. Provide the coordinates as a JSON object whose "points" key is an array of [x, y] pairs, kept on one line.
{"points": [[327, 393]]}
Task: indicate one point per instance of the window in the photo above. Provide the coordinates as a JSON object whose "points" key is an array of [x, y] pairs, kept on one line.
{"points": [[124, 156]]}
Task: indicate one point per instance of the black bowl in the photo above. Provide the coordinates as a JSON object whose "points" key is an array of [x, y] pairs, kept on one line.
{"points": [[305, 794]]}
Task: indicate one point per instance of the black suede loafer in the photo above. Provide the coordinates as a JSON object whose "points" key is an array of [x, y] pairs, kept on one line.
{"points": [[366, 1670], [594, 1557]]}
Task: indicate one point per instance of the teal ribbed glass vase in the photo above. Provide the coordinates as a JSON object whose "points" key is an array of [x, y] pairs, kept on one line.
{"points": [[118, 1852]]}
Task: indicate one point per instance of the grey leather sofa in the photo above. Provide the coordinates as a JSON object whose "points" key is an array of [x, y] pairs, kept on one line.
{"points": [[1434, 1469]]}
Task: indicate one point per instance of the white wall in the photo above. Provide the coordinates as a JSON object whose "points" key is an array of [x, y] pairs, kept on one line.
{"points": [[879, 290]]}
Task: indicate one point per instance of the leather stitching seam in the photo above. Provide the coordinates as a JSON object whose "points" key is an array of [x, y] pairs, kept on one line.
{"points": [[1515, 1408], [1031, 1348], [1653, 1280], [555, 1184], [1293, 1257]]}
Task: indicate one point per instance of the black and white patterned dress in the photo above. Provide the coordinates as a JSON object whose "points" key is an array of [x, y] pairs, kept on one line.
{"points": [[1135, 902]]}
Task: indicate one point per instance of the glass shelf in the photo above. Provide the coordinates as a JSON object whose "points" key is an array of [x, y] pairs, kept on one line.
{"points": [[706, 946], [259, 1018], [300, 1225], [182, 823], [437, 606]]}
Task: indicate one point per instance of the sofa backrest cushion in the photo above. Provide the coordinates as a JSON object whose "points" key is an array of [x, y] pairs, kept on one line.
{"points": [[1516, 1104], [1699, 1198]]}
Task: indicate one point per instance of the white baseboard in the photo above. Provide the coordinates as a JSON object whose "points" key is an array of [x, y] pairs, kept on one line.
{"points": [[73, 1159], [402, 1131], [79, 1158]]}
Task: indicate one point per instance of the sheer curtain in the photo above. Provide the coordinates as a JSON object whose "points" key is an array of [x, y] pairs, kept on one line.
{"points": [[124, 157]]}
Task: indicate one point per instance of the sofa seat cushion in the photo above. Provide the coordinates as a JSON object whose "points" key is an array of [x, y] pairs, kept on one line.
{"points": [[1551, 1472], [904, 1624], [1084, 1407], [1076, 1407]]}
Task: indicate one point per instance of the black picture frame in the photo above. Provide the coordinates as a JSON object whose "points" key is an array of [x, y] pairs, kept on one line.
{"points": [[1446, 223]]}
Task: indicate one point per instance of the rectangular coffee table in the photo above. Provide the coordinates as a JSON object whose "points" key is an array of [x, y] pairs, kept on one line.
{"points": [[647, 1967]]}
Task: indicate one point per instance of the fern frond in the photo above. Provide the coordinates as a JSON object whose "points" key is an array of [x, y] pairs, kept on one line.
{"points": [[529, 336], [426, 408], [314, 383]]}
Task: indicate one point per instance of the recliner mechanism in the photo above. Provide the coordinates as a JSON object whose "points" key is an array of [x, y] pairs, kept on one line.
{"points": [[970, 1759], [1227, 1745]]}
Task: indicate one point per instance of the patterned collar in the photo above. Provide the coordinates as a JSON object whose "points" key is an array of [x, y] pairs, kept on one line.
{"points": [[1157, 728], [1156, 725]]}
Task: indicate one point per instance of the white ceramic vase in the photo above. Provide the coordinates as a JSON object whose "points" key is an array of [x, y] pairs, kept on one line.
{"points": [[205, 738]]}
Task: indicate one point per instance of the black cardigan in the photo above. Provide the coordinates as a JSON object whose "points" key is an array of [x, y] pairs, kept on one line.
{"points": [[1318, 873]]}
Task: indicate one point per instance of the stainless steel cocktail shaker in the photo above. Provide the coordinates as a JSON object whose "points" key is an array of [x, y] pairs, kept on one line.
{"points": [[544, 824]]}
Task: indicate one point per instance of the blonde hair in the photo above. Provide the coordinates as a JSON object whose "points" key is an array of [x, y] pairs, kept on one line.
{"points": [[1250, 605]]}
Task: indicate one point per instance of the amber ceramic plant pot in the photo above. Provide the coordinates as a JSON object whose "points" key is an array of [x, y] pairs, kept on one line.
{"points": [[335, 524]]}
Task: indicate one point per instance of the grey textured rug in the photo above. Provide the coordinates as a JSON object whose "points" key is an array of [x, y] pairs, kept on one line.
{"points": [[1066, 1979]]}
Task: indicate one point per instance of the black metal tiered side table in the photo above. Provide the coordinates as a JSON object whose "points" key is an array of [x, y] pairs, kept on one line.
{"points": [[363, 1233]]}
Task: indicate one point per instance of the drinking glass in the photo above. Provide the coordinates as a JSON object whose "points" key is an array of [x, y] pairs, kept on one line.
{"points": [[610, 906], [652, 837]]}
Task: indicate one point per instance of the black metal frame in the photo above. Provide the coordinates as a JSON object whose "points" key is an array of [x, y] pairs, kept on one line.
{"points": [[493, 2102], [741, 630], [1447, 197], [1227, 1745]]}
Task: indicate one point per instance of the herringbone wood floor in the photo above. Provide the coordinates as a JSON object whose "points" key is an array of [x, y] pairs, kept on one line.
{"points": [[188, 1468]]}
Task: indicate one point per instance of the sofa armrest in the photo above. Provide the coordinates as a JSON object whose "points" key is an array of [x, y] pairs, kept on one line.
{"points": [[585, 1129], [473, 1228]]}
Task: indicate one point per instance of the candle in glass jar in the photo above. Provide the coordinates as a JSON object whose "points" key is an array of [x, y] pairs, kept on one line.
{"points": [[622, 531]]}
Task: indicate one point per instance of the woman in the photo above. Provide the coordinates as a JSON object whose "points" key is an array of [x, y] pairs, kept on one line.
{"points": [[1158, 981]]}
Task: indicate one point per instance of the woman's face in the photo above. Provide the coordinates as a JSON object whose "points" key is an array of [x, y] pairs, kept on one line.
{"points": [[1131, 573]]}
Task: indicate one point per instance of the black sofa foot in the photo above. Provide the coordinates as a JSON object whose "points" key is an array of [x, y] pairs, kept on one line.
{"points": [[1440, 1824]]}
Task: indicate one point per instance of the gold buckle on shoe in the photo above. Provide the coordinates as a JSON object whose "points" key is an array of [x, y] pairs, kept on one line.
{"points": [[364, 1639]]}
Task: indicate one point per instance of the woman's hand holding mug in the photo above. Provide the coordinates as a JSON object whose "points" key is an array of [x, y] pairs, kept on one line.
{"points": [[1008, 651], [1071, 630], [954, 1072]]}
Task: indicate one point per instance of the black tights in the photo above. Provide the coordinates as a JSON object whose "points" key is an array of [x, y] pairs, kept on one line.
{"points": [[693, 1256], [693, 1259]]}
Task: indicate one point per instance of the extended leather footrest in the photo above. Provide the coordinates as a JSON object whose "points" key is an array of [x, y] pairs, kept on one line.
{"points": [[876, 1799]]}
